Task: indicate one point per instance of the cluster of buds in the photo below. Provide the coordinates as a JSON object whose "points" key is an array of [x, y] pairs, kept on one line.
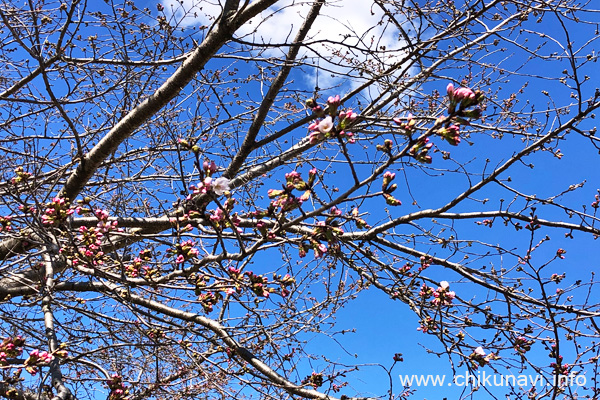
{"points": [[5, 224], [118, 391], [420, 150], [258, 284], [522, 345], [315, 380], [26, 209], [10, 348], [156, 334], [480, 359], [360, 223], [222, 216], [209, 167], [427, 325], [485, 222], [557, 278], [443, 296], [56, 211], [209, 300], [90, 244], [553, 353], [326, 128], [596, 202], [104, 225], [560, 369], [139, 269], [409, 126], [20, 176], [398, 357], [405, 269], [200, 283], [426, 291], [37, 359], [284, 199], [319, 249], [194, 148], [285, 281], [327, 230], [185, 251], [560, 253], [90, 239], [533, 224], [387, 189], [464, 98], [426, 262], [450, 133], [386, 147]]}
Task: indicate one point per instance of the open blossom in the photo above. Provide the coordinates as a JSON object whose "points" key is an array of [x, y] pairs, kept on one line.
{"points": [[479, 351], [220, 186], [326, 125]]}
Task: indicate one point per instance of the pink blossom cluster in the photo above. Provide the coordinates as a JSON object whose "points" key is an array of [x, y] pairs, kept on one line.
{"points": [[522, 345], [185, 251], [118, 391], [36, 359], [90, 239], [11, 348], [443, 296], [137, 268], [326, 127], [464, 98], [223, 217], [56, 211]]}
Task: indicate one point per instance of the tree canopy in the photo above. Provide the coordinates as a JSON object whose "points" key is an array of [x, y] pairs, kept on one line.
{"points": [[193, 193]]}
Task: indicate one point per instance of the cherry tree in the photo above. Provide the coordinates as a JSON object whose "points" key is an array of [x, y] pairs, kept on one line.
{"points": [[193, 189]]}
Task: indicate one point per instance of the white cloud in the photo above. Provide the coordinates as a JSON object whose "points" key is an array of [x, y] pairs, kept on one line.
{"points": [[343, 37]]}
